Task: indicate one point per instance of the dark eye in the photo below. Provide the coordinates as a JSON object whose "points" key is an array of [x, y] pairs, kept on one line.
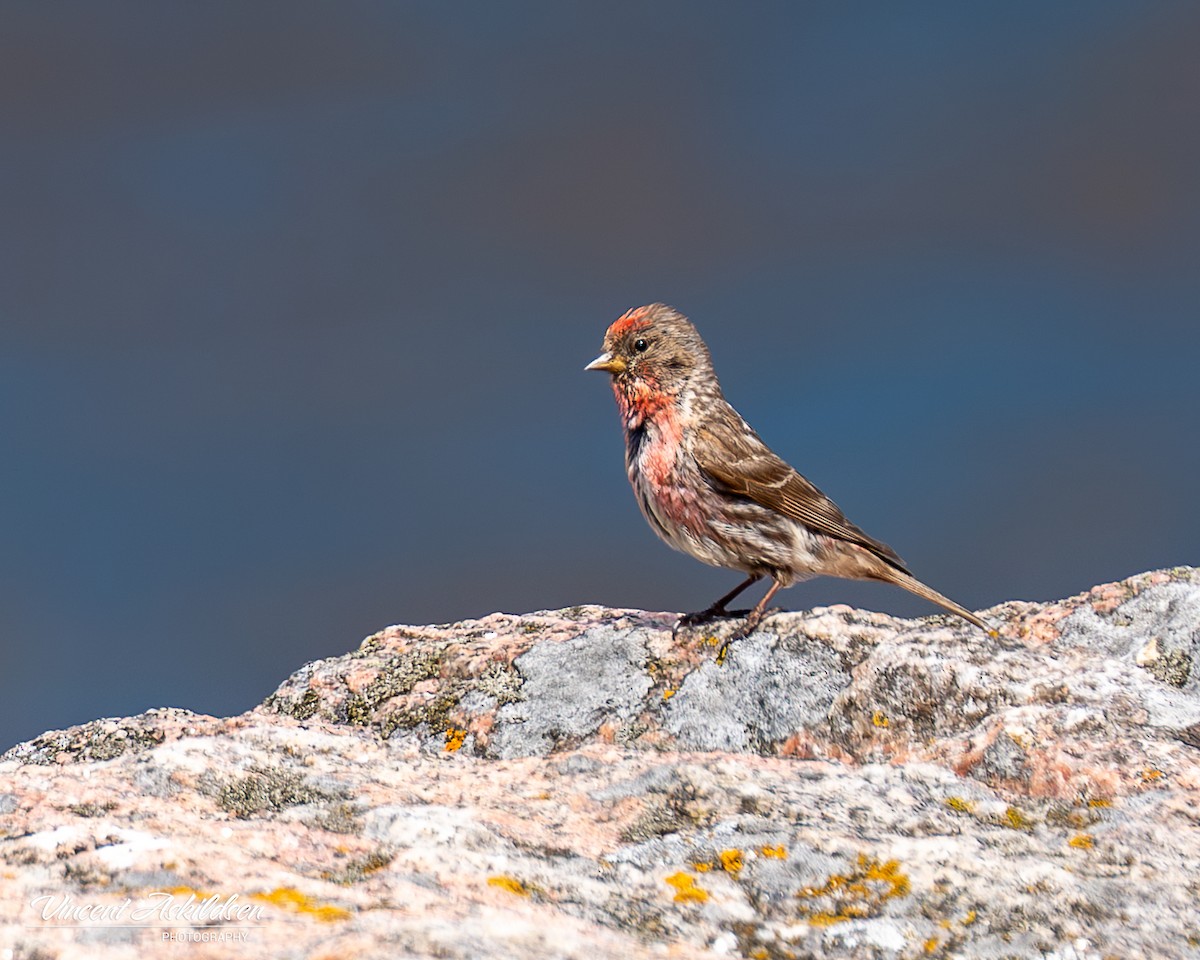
{"points": [[640, 346]]}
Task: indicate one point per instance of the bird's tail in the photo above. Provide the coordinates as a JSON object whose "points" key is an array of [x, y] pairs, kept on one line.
{"points": [[913, 585]]}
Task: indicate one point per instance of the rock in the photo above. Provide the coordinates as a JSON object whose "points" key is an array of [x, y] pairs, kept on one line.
{"points": [[575, 783]]}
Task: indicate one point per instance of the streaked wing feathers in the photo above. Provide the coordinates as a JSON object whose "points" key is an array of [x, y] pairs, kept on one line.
{"points": [[737, 460]]}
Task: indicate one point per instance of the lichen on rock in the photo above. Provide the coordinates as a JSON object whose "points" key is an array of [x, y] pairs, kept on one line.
{"points": [[580, 784]]}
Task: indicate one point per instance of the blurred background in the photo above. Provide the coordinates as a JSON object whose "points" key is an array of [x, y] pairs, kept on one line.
{"points": [[295, 300]]}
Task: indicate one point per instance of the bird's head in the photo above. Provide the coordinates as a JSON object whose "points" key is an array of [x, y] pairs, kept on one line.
{"points": [[652, 352]]}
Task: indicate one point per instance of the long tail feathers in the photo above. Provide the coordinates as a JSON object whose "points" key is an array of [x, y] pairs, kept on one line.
{"points": [[913, 585]]}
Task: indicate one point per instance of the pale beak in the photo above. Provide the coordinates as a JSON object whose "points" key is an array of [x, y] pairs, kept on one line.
{"points": [[608, 363]]}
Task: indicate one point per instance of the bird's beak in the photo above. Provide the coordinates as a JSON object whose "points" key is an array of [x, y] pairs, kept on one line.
{"points": [[607, 362]]}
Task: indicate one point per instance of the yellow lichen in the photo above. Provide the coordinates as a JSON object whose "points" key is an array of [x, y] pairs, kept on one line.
{"points": [[731, 860], [930, 945], [1099, 802], [454, 739], [826, 919], [686, 890], [855, 895], [879, 718], [668, 694], [959, 805], [186, 892], [292, 899], [970, 918], [1015, 819], [1150, 774], [1082, 841], [702, 867], [511, 884], [773, 853]]}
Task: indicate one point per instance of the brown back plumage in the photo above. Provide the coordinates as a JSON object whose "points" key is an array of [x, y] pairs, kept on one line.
{"points": [[747, 467]]}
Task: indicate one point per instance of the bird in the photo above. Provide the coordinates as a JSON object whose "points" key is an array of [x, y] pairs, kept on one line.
{"points": [[711, 488]]}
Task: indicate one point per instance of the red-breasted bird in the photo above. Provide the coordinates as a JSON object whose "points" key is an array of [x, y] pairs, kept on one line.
{"points": [[711, 488]]}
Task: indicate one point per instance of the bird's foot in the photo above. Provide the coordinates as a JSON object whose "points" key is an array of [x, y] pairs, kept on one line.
{"points": [[752, 621], [705, 616]]}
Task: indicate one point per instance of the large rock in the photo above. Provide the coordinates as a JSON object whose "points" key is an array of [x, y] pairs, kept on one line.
{"points": [[575, 783]]}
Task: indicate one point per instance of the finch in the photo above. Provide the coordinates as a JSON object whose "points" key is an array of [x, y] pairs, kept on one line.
{"points": [[708, 485]]}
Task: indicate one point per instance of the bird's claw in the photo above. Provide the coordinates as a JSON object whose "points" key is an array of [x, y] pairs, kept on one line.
{"points": [[704, 616], [752, 621], [751, 624]]}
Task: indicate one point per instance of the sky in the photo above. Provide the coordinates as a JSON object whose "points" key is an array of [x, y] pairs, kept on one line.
{"points": [[295, 300]]}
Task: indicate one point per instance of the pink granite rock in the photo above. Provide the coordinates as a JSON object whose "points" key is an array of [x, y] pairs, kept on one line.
{"points": [[574, 783]]}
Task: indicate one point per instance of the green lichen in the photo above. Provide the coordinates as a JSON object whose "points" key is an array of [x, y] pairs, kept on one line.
{"points": [[630, 732], [358, 710], [268, 790], [302, 709], [644, 920], [395, 679], [91, 809], [358, 870], [1170, 666], [93, 742], [341, 818], [86, 875], [307, 705], [500, 680], [435, 713], [679, 808]]}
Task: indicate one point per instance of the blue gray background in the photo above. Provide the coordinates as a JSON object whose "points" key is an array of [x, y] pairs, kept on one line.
{"points": [[295, 300]]}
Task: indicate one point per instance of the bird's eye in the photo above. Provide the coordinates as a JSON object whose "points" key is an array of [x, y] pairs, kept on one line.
{"points": [[640, 345]]}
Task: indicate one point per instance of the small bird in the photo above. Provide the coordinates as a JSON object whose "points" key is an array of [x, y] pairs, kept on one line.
{"points": [[708, 485]]}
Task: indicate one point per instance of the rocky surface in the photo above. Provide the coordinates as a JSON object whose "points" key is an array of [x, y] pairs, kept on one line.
{"points": [[574, 783]]}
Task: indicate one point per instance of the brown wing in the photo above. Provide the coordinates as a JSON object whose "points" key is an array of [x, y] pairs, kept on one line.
{"points": [[740, 463]]}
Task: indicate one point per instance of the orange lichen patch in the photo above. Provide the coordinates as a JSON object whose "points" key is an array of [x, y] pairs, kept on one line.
{"points": [[686, 890], [703, 867], [731, 860], [1150, 774], [454, 739], [289, 898], [773, 853], [511, 884], [856, 895], [668, 694], [970, 918], [1081, 841], [930, 945], [959, 805], [879, 718], [1099, 802]]}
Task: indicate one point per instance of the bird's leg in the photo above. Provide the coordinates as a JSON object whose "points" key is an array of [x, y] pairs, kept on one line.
{"points": [[717, 610], [753, 619]]}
